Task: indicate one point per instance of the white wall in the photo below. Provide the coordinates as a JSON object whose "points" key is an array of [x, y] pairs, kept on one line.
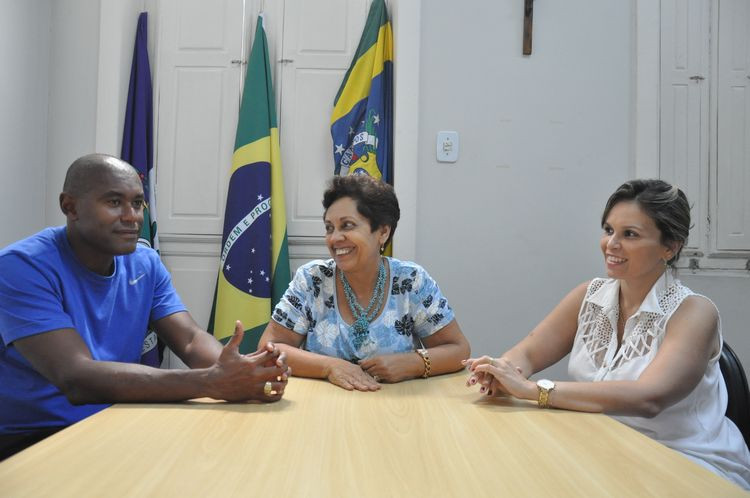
{"points": [[74, 54], [514, 224], [731, 294], [91, 51], [118, 19], [24, 86]]}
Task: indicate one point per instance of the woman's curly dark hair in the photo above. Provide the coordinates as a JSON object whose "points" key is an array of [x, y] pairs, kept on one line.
{"points": [[375, 199]]}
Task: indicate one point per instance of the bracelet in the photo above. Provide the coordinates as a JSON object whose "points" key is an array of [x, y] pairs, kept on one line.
{"points": [[427, 363]]}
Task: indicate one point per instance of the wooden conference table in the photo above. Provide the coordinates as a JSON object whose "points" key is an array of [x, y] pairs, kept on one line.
{"points": [[429, 437]]}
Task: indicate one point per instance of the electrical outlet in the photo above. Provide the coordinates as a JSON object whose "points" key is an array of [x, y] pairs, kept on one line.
{"points": [[447, 146]]}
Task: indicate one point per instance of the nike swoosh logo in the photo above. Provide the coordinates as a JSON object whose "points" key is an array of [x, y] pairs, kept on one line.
{"points": [[135, 280]]}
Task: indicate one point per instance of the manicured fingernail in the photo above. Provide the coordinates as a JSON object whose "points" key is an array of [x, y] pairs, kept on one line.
{"points": [[274, 393], [278, 378]]}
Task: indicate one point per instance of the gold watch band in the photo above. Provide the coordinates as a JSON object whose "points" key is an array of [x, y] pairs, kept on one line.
{"points": [[543, 398], [426, 359], [545, 387]]}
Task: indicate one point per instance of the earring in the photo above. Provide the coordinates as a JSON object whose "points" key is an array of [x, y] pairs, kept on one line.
{"points": [[667, 271]]}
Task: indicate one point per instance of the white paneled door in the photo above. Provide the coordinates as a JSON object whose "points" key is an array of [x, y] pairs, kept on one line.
{"points": [[198, 102], [200, 58], [319, 41], [705, 122], [201, 49], [684, 120], [733, 151]]}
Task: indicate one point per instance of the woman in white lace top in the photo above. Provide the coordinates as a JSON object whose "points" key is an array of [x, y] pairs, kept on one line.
{"points": [[643, 347]]}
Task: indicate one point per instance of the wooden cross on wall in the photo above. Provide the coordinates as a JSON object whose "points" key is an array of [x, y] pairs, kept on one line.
{"points": [[528, 15]]}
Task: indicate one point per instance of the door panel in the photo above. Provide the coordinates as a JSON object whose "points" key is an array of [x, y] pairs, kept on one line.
{"points": [[319, 41], [197, 106], [733, 151], [684, 123]]}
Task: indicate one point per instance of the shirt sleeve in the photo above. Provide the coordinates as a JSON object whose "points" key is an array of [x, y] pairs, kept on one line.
{"points": [[166, 301], [31, 301], [290, 312], [433, 313]]}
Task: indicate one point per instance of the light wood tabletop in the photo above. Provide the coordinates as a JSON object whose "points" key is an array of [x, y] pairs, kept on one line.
{"points": [[430, 437]]}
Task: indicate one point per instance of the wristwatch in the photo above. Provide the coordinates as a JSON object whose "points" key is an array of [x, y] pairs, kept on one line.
{"points": [[426, 359], [545, 386]]}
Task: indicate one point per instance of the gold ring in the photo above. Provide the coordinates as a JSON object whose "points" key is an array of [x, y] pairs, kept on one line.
{"points": [[267, 388]]}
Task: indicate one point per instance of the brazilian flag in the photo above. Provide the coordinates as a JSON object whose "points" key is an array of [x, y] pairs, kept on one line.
{"points": [[254, 271], [362, 118]]}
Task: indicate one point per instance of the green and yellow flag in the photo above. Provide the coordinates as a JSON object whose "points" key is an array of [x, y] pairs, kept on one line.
{"points": [[362, 117], [254, 271]]}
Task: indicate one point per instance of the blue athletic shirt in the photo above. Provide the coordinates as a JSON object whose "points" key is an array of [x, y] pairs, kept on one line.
{"points": [[43, 287]]}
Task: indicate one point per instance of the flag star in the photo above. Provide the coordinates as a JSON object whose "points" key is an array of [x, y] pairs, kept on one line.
{"points": [[228, 267], [267, 279], [351, 131], [262, 272], [339, 149], [250, 291], [260, 197], [249, 280], [252, 250], [376, 119]]}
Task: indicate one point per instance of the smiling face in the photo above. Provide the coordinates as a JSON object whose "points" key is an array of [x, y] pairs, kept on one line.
{"points": [[632, 245], [105, 219], [352, 244]]}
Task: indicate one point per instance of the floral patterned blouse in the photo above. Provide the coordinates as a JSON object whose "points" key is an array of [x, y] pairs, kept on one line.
{"points": [[414, 309]]}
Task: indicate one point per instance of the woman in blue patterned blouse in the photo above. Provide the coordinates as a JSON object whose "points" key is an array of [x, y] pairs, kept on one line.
{"points": [[360, 318]]}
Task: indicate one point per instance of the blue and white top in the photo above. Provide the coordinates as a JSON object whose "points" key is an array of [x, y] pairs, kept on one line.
{"points": [[414, 309]]}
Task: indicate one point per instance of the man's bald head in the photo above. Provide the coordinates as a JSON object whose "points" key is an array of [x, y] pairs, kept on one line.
{"points": [[89, 170]]}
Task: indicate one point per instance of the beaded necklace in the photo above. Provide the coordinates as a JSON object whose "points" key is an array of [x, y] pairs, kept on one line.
{"points": [[362, 316]]}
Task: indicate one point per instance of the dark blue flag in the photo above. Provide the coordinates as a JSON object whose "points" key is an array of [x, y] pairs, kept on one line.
{"points": [[137, 149]]}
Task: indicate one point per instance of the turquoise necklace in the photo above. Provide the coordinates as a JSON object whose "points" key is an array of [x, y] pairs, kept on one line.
{"points": [[363, 316]]}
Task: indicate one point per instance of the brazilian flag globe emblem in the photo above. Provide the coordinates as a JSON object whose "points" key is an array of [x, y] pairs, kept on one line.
{"points": [[254, 271]]}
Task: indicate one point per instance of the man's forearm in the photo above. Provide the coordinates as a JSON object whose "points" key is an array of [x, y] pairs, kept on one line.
{"points": [[112, 382]]}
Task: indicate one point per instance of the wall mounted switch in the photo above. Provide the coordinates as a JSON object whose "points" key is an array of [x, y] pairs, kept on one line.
{"points": [[447, 146]]}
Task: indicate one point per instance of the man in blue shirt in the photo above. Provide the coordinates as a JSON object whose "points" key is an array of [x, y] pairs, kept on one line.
{"points": [[75, 303]]}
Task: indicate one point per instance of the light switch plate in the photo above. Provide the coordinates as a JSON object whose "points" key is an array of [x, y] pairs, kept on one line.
{"points": [[447, 146]]}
